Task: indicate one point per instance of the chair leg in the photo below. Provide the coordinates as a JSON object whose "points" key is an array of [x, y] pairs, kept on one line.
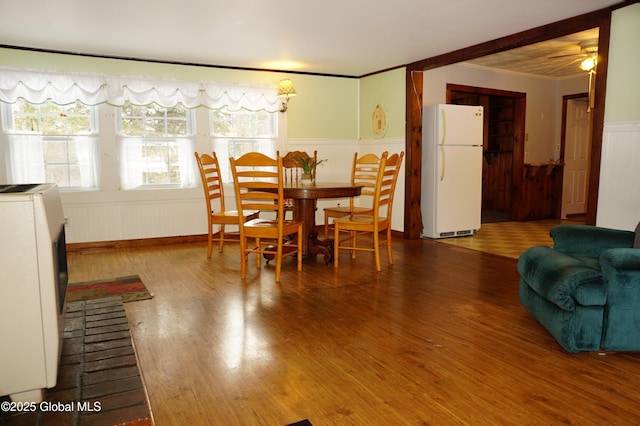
{"points": [[243, 257], [221, 238], [376, 250], [354, 243], [210, 241], [336, 244], [278, 259], [389, 246], [258, 253]]}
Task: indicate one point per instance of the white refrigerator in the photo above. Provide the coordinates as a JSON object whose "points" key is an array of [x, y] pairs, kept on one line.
{"points": [[451, 198]]}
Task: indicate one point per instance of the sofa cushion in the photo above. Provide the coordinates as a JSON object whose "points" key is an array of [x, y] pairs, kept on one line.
{"points": [[591, 262], [636, 241], [562, 279]]}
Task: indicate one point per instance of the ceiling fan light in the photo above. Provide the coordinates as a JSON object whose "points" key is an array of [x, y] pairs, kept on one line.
{"points": [[588, 64]]}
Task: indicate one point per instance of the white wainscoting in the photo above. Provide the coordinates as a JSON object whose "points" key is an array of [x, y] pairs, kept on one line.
{"points": [[171, 218], [91, 222], [619, 190], [126, 215]]}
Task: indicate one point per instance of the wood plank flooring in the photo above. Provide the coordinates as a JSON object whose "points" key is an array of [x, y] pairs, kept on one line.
{"points": [[437, 338]]}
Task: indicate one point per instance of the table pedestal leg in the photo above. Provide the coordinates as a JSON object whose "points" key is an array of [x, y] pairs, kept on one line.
{"points": [[323, 247], [305, 210]]}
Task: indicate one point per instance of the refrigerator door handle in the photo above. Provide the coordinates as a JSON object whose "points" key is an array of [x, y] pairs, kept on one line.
{"points": [[444, 127], [442, 151], [444, 138]]}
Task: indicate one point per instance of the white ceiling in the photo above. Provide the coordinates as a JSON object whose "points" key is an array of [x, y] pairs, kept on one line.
{"points": [[336, 37]]}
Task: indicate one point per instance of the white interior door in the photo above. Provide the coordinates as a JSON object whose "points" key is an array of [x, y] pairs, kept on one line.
{"points": [[576, 158]]}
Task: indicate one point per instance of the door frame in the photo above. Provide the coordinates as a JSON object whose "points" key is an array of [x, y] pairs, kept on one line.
{"points": [[519, 122]]}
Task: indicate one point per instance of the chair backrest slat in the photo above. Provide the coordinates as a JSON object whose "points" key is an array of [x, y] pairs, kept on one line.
{"points": [[291, 164], [211, 181], [365, 172], [386, 185], [258, 183]]}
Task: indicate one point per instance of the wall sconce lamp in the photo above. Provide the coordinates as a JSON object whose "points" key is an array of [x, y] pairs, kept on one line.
{"points": [[286, 90]]}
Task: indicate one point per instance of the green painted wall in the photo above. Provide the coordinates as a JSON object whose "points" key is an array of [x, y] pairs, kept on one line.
{"points": [[388, 90], [623, 81], [325, 108]]}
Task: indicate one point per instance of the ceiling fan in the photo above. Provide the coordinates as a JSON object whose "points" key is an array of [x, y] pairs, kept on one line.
{"points": [[588, 56], [588, 59]]}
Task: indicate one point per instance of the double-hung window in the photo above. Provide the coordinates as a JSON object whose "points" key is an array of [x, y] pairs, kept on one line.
{"points": [[235, 133], [156, 146], [52, 143]]}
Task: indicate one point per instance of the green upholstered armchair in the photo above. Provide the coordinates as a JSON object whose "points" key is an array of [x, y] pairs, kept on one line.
{"points": [[586, 289]]}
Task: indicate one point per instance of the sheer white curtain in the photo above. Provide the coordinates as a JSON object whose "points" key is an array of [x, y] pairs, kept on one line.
{"points": [[134, 164], [26, 159], [131, 162], [187, 168], [92, 89], [131, 165], [87, 152]]}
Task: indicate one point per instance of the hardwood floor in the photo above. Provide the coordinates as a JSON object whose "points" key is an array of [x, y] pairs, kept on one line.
{"points": [[437, 338]]}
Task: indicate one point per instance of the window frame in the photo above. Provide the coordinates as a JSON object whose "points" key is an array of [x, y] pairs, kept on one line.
{"points": [[29, 171], [182, 144], [267, 144]]}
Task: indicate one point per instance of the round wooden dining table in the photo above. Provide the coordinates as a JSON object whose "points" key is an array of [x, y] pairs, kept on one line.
{"points": [[305, 198]]}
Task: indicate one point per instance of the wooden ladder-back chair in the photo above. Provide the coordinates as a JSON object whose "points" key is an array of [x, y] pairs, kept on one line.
{"points": [[293, 171], [364, 172], [214, 192], [292, 167], [259, 185], [379, 221]]}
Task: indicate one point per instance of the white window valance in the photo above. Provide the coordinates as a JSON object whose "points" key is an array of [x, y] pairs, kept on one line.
{"points": [[38, 86]]}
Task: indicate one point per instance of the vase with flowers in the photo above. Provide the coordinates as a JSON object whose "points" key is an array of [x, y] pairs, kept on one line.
{"points": [[308, 166]]}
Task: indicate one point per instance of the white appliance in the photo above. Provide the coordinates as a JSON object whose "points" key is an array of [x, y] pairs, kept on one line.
{"points": [[33, 265], [451, 198]]}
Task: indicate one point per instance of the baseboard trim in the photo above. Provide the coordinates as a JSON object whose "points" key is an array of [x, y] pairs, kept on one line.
{"points": [[123, 244], [98, 246]]}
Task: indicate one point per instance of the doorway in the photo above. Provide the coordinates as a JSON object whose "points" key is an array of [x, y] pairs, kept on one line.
{"points": [[575, 154], [503, 152]]}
